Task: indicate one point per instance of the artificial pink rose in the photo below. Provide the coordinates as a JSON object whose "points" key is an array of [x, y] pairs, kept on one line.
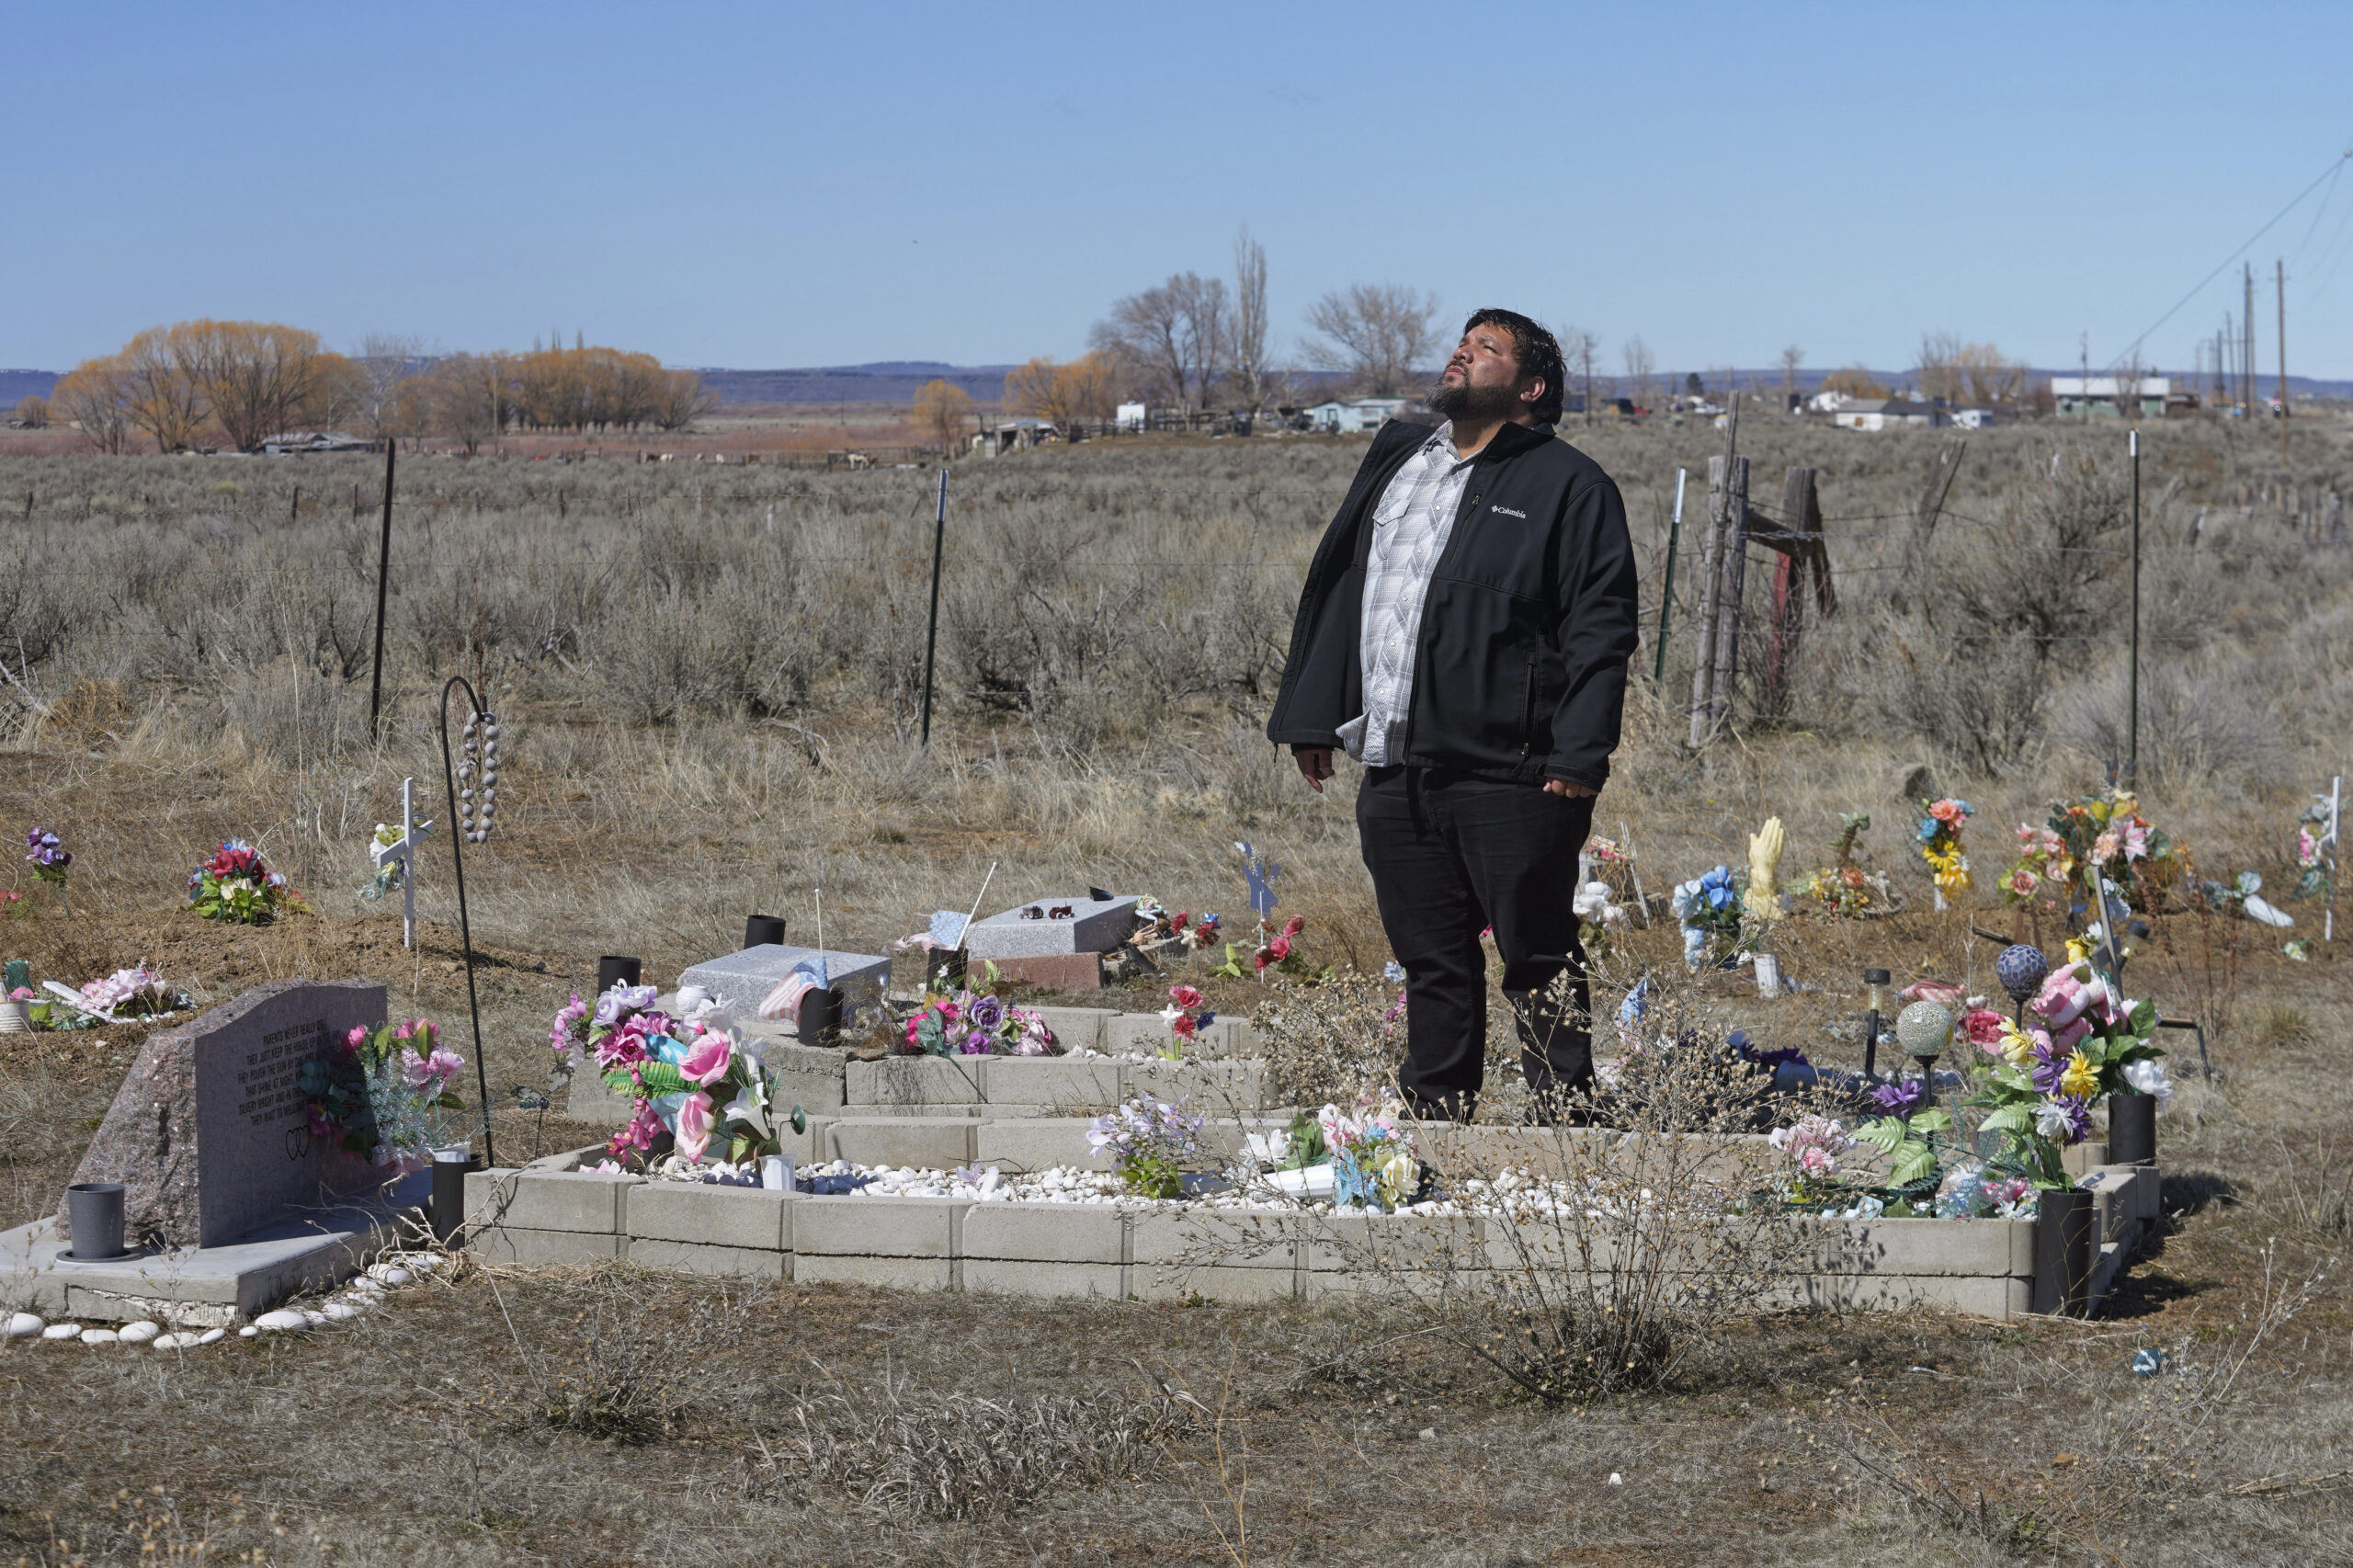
{"points": [[2105, 846], [1983, 1028], [1295, 924], [1279, 949], [1183, 996], [435, 1069], [2065, 1039], [2063, 998], [694, 1125], [708, 1058]]}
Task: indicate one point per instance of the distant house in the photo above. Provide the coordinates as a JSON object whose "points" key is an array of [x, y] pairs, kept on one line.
{"points": [[1348, 416], [1014, 436], [1974, 418], [1885, 413], [1826, 402], [2110, 397], [315, 441], [1131, 417]]}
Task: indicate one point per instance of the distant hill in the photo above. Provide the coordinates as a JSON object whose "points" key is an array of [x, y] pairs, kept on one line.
{"points": [[892, 381], [17, 385]]}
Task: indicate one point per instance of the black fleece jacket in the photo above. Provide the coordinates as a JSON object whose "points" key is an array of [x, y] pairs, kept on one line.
{"points": [[1520, 673]]}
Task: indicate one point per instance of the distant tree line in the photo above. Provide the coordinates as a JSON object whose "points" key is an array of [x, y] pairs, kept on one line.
{"points": [[205, 383]]}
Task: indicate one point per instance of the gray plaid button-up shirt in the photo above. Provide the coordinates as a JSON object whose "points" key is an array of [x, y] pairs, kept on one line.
{"points": [[1410, 527]]}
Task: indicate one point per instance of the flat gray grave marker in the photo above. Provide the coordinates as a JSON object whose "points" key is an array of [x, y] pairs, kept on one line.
{"points": [[1095, 925], [743, 980]]}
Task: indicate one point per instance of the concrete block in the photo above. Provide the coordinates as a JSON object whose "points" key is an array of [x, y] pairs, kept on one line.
{"points": [[526, 1249], [878, 1227], [1037, 1143], [1054, 972], [812, 1077], [1225, 1238], [1005, 1277], [1959, 1247], [1051, 1081], [689, 1257], [926, 1142], [740, 1217], [2085, 1157], [896, 1273], [1095, 925], [1045, 1232], [1216, 1087], [1225, 1286], [915, 1080], [1337, 1243], [1126, 1033], [1077, 1028], [548, 1201]]}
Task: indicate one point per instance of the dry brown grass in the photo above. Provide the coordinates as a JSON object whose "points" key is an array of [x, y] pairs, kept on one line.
{"points": [[1114, 620]]}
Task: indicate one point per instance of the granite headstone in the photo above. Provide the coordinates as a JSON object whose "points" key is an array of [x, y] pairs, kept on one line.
{"points": [[210, 1131], [1093, 926]]}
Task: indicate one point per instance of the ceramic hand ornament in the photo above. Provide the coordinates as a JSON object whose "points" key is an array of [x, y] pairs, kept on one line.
{"points": [[1763, 899]]}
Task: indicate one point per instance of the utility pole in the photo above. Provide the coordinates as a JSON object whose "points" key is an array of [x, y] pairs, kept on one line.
{"points": [[2083, 384], [2247, 325], [2280, 278], [931, 638], [2132, 680]]}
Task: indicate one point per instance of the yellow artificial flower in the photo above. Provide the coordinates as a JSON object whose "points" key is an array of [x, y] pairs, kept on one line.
{"points": [[2079, 1079], [2080, 949], [2017, 1049]]}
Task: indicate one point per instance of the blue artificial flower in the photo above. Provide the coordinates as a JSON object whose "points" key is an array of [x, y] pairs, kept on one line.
{"points": [[1927, 830], [1393, 973]]}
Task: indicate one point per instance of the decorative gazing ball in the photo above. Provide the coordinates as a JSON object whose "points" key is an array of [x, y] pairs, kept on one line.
{"points": [[2021, 970], [1924, 1029]]}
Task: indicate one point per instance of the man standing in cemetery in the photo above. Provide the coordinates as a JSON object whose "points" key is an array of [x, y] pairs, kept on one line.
{"points": [[1464, 633]]}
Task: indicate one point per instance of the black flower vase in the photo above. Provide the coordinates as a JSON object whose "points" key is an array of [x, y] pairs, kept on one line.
{"points": [[2063, 1252], [2131, 1129]]}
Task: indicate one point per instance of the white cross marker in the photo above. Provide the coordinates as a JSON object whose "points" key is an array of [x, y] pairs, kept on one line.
{"points": [[403, 850]]}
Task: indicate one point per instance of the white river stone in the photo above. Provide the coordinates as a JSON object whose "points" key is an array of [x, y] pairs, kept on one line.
{"points": [[139, 1333], [61, 1331], [23, 1325], [281, 1319], [213, 1336], [99, 1336]]}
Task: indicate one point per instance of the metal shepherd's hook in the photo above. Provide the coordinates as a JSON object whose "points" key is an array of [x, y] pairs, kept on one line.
{"points": [[477, 746]]}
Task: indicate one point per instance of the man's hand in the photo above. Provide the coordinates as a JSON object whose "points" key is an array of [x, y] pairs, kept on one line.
{"points": [[1563, 786], [1315, 765]]}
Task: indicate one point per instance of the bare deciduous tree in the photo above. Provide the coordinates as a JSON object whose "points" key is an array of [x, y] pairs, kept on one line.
{"points": [[941, 408], [465, 399], [1792, 357], [1639, 369], [1379, 332], [1172, 337], [1578, 347], [1246, 362], [94, 398], [32, 411], [683, 400], [386, 362]]}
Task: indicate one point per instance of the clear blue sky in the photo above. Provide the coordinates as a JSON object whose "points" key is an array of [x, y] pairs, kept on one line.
{"points": [[756, 186]]}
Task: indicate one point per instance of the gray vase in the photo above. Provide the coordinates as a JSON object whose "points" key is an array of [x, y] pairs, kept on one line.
{"points": [[95, 1210]]}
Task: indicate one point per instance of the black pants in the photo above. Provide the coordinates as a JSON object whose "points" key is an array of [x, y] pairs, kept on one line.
{"points": [[1450, 854]]}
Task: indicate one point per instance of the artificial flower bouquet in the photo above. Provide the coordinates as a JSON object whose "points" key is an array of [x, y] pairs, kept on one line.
{"points": [[390, 876], [1708, 908], [1374, 1162], [1185, 1014], [1843, 889], [2106, 834], [48, 858], [2081, 1042], [1939, 837], [1155, 922], [236, 885], [135, 993], [374, 1093], [1148, 1144], [975, 1023], [1278, 949], [689, 1079]]}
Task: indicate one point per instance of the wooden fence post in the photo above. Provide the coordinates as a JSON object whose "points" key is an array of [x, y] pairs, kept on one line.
{"points": [[1704, 605], [1732, 574]]}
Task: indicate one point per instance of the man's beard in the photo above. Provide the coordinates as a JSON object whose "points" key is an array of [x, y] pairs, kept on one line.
{"points": [[1471, 401]]}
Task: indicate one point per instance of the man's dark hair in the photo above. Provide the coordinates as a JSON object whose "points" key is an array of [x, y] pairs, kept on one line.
{"points": [[1539, 353]]}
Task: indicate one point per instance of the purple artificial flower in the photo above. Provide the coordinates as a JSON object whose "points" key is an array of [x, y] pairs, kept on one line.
{"points": [[975, 1044], [985, 1013], [45, 852], [1901, 1097]]}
